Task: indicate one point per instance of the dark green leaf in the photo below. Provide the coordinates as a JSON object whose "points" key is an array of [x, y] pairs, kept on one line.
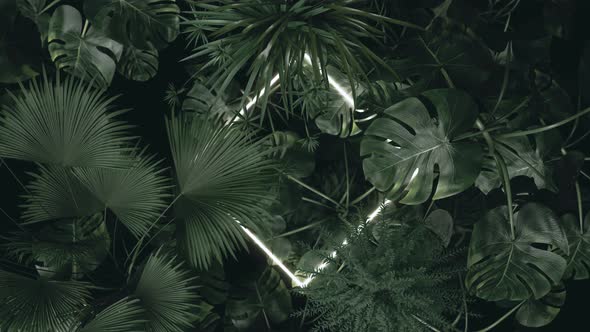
{"points": [[522, 159], [337, 113], [40, 304], [223, 175], [166, 292], [202, 100], [502, 268], [578, 260], [63, 122], [125, 315], [56, 193], [71, 248], [137, 195], [135, 22], [403, 147], [35, 11], [537, 313], [441, 223], [266, 295], [138, 64], [82, 51]]}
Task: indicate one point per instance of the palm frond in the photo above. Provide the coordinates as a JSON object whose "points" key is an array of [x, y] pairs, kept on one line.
{"points": [[136, 195], [34, 305], [125, 315], [56, 193], [65, 123], [269, 37], [166, 293], [223, 175], [71, 247]]}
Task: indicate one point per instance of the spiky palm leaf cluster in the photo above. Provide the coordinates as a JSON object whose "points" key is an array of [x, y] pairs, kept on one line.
{"points": [[270, 37], [390, 280]]}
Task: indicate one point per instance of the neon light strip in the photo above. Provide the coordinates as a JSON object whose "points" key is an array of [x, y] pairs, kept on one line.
{"points": [[349, 100], [324, 264], [274, 258], [335, 85], [251, 103]]}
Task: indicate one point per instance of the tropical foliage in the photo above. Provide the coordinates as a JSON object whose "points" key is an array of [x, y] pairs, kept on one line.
{"points": [[300, 165]]}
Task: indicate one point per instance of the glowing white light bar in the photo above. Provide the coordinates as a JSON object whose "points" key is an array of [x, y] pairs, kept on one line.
{"points": [[347, 97], [349, 100], [274, 258], [251, 103], [323, 264]]}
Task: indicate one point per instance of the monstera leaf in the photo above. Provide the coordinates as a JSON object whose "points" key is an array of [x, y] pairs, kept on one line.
{"points": [[36, 11], [266, 295], [82, 51], [201, 100], [522, 159], [503, 268], [464, 59], [578, 236], [135, 22], [138, 64], [537, 313], [403, 147]]}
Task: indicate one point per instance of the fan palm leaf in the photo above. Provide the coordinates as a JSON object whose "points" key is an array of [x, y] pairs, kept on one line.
{"points": [[223, 175], [63, 122], [40, 304], [136, 195], [70, 247], [56, 193], [125, 315], [165, 291]]}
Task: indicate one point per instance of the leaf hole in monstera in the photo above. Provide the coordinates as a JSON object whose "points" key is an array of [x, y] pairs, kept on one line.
{"points": [[108, 52], [405, 125], [57, 41], [543, 273], [429, 107], [542, 246], [162, 3], [524, 284]]}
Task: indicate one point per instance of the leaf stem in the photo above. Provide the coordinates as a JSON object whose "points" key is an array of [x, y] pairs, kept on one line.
{"points": [[507, 188], [85, 28], [503, 170], [361, 197], [53, 3], [501, 319], [477, 133], [545, 128], [300, 229], [313, 190], [136, 249], [580, 210]]}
